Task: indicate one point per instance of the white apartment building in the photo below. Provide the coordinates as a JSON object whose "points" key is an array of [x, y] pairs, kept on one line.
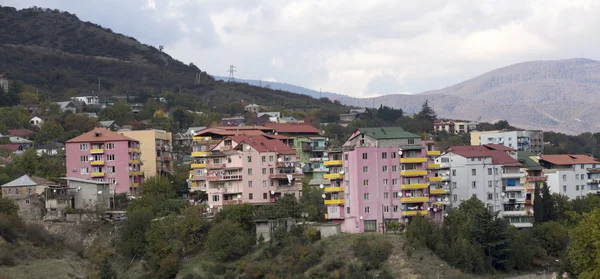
{"points": [[528, 141], [571, 175], [453, 126]]}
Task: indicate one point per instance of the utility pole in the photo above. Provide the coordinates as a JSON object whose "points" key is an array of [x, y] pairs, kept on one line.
{"points": [[231, 71]]}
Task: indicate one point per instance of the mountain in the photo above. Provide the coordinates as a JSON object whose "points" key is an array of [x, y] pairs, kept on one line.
{"points": [[60, 55], [556, 95]]}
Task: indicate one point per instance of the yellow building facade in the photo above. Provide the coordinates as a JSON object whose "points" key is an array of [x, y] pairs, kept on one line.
{"points": [[156, 150]]}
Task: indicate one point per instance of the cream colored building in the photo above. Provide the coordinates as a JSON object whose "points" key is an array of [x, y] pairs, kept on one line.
{"points": [[156, 147]]}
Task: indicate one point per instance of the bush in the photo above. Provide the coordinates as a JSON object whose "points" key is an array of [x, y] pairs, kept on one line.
{"points": [[39, 236], [372, 250], [228, 241], [8, 207], [6, 258]]}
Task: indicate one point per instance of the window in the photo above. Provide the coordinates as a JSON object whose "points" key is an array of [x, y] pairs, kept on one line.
{"points": [[395, 195], [386, 209], [454, 198], [112, 180], [489, 183], [582, 166], [265, 195], [29, 191], [565, 188], [83, 146], [364, 156], [394, 168], [250, 184], [394, 182], [264, 171], [383, 155], [16, 191], [110, 157], [84, 171], [453, 172], [576, 176], [386, 195], [474, 184], [83, 158], [366, 182], [489, 171], [370, 225], [411, 141], [250, 196], [577, 187], [365, 169], [332, 210], [393, 155], [263, 159], [249, 159], [473, 172], [347, 210], [110, 146], [490, 196], [367, 209], [111, 169], [272, 182], [346, 157], [366, 196], [216, 198], [453, 185], [250, 171], [27, 201], [564, 177], [270, 170], [264, 183], [384, 168], [395, 208], [385, 182], [271, 158]]}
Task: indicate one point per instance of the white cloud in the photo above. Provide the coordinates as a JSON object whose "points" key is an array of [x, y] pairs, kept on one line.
{"points": [[353, 47]]}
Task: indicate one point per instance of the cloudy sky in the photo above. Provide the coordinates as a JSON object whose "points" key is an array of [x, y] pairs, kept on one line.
{"points": [[354, 47]]}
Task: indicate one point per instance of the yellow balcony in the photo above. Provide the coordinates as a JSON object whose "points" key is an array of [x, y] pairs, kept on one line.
{"points": [[414, 212], [438, 191], [97, 151], [134, 185], [414, 200], [333, 163], [134, 162], [134, 150], [414, 186], [97, 163], [414, 173], [334, 201], [334, 189], [97, 174], [413, 160], [333, 176], [435, 179], [135, 173], [433, 166], [198, 166], [434, 153], [200, 153]]}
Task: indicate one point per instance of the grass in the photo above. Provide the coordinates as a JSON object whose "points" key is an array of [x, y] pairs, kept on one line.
{"points": [[51, 269]]}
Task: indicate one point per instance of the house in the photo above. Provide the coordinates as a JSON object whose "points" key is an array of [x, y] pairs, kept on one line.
{"points": [[571, 175], [89, 194], [67, 106], [3, 83], [348, 117], [26, 191], [109, 124], [13, 147], [156, 150], [57, 199], [89, 114], [36, 121], [24, 133], [232, 121], [252, 108], [288, 119], [275, 114], [87, 98], [136, 107], [105, 156], [454, 126], [528, 141], [25, 143], [51, 149]]}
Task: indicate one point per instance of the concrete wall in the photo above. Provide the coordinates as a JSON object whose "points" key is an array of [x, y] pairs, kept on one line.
{"points": [[87, 197]]}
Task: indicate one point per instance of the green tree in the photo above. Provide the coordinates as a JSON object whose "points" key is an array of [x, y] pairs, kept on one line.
{"points": [[28, 99], [426, 112], [538, 206], [548, 201], [79, 123], [584, 249], [51, 131], [311, 202], [553, 237], [106, 271], [8, 207], [133, 232], [28, 162], [227, 241], [119, 112], [242, 214]]}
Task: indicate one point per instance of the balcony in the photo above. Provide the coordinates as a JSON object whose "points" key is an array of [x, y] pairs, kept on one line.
{"points": [[414, 186], [97, 151], [445, 178], [333, 202], [536, 178], [307, 169], [413, 160], [214, 166], [522, 225], [98, 163], [438, 191], [134, 185], [444, 165], [164, 158], [307, 147], [335, 215], [288, 188], [224, 177], [136, 173], [514, 213], [200, 140], [333, 163], [98, 174], [414, 199], [198, 166], [513, 175], [333, 189], [232, 201], [285, 175], [516, 188], [414, 173], [134, 150], [333, 176], [288, 164], [414, 212], [318, 159], [435, 179], [134, 162], [200, 153], [433, 166], [434, 153]]}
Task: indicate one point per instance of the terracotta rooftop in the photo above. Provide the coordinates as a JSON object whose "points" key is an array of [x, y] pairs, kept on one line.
{"points": [[100, 135], [20, 132], [479, 151], [262, 144], [226, 132], [293, 128], [10, 146], [568, 159], [498, 147], [278, 137]]}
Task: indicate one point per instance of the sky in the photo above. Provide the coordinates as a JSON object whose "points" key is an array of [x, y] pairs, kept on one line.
{"points": [[353, 47]]}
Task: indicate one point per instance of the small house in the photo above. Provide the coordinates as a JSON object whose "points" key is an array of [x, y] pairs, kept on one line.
{"points": [[27, 192]]}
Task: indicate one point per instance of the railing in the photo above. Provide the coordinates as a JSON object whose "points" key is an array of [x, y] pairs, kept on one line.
{"points": [[433, 166], [333, 176], [333, 189], [435, 179], [536, 178], [438, 191], [287, 164], [200, 140], [200, 153], [98, 163], [414, 199], [333, 163], [134, 162], [318, 159], [232, 201], [413, 160], [198, 166], [97, 151], [97, 174], [224, 177], [337, 215], [215, 166], [414, 186], [306, 147], [134, 184], [413, 173], [333, 201], [133, 150], [135, 173], [434, 153], [286, 188], [285, 175], [414, 212]]}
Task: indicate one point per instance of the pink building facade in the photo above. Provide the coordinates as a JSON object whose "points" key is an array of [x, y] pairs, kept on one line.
{"points": [[104, 155]]}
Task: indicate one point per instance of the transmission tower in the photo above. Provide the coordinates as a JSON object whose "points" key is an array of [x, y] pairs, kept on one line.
{"points": [[197, 79], [231, 71]]}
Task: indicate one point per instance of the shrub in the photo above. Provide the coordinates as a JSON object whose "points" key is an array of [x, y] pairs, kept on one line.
{"points": [[6, 257], [227, 241], [169, 266], [8, 207], [372, 251]]}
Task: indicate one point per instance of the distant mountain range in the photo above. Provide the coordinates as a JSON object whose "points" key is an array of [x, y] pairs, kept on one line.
{"points": [[287, 87], [559, 95]]}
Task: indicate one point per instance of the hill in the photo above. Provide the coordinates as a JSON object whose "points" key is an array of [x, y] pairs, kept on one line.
{"points": [[61, 55], [551, 95]]}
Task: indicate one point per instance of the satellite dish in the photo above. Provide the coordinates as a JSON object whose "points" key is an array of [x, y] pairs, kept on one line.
{"points": [[341, 172], [99, 192], [130, 168], [400, 152], [446, 183], [321, 186], [503, 194], [278, 159], [323, 196], [447, 172], [361, 217], [445, 199], [91, 158], [428, 208], [239, 196], [247, 147], [272, 192], [192, 131], [435, 210], [406, 220], [207, 138], [428, 183], [326, 139], [446, 215], [205, 171], [211, 206]]}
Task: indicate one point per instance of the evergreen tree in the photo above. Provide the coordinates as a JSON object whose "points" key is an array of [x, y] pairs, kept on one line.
{"points": [[426, 112], [548, 203], [106, 271], [538, 206]]}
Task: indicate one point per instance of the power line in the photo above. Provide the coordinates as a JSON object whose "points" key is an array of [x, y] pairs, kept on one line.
{"points": [[231, 71]]}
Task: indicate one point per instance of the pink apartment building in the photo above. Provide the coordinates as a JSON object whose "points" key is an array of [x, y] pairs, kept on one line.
{"points": [[379, 175], [104, 155]]}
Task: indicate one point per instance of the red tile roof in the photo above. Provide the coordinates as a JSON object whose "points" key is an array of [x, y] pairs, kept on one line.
{"points": [[10, 146], [103, 136], [278, 137], [568, 159], [498, 147], [293, 128], [226, 132], [20, 132], [478, 151], [262, 144]]}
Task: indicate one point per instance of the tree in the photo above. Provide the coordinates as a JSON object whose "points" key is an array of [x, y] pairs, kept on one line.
{"points": [[28, 162], [426, 112], [106, 271], [50, 131], [227, 241], [584, 250], [133, 232], [538, 206], [28, 99], [311, 202], [548, 201], [79, 123], [242, 214], [8, 207], [119, 112], [553, 237]]}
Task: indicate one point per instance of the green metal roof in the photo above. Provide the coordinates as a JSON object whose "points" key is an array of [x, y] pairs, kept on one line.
{"points": [[411, 147], [528, 163], [388, 133]]}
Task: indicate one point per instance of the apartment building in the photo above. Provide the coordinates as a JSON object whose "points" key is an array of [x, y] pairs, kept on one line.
{"points": [[529, 141], [571, 175], [454, 126], [157, 150], [104, 155], [379, 175]]}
